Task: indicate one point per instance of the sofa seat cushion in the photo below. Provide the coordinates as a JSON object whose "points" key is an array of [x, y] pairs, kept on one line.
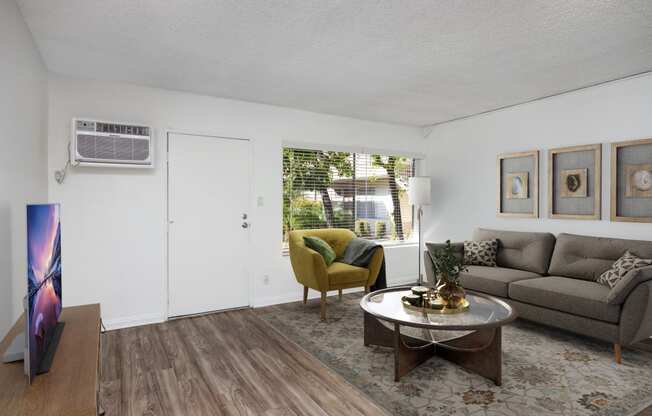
{"points": [[574, 296], [493, 280], [342, 274]]}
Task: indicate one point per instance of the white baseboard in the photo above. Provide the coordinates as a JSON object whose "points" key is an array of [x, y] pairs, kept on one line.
{"points": [[402, 280], [295, 297], [130, 321]]}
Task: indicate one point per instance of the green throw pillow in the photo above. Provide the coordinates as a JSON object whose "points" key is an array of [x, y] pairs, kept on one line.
{"points": [[321, 247]]}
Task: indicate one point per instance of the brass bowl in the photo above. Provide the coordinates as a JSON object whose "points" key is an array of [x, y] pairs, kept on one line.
{"points": [[436, 305], [420, 290], [414, 300]]}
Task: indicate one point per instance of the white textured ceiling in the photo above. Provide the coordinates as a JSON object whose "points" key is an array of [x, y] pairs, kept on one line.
{"points": [[407, 61]]}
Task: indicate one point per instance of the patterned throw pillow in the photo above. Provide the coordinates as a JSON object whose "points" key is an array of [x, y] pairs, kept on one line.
{"points": [[621, 267], [481, 253]]}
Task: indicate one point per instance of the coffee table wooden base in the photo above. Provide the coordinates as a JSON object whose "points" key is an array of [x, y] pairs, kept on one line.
{"points": [[479, 352]]}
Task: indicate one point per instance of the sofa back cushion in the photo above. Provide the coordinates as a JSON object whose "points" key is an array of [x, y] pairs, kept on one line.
{"points": [[585, 257], [520, 250]]}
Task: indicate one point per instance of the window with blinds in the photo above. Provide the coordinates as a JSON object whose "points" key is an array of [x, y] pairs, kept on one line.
{"points": [[365, 193]]}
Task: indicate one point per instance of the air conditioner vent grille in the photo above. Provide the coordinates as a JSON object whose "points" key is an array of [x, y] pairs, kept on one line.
{"points": [[112, 148]]}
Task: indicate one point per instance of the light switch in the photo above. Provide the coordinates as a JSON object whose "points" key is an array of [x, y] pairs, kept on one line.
{"points": [[260, 201]]}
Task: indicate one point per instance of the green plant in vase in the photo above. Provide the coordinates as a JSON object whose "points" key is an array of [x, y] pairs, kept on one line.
{"points": [[448, 268]]}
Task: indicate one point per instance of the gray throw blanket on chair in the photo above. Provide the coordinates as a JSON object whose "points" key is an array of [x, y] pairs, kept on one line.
{"points": [[359, 253]]}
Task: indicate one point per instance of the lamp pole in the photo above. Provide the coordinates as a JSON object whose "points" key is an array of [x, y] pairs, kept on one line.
{"points": [[419, 195], [419, 216]]}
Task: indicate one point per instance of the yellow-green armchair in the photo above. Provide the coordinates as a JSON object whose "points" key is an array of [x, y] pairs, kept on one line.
{"points": [[310, 268]]}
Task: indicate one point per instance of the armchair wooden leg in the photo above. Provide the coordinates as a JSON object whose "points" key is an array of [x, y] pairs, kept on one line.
{"points": [[323, 306], [305, 294], [618, 353], [339, 293]]}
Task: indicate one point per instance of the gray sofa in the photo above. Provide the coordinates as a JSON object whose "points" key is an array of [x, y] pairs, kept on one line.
{"points": [[552, 281]]}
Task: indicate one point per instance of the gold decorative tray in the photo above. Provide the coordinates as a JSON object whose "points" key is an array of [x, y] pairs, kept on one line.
{"points": [[437, 307]]}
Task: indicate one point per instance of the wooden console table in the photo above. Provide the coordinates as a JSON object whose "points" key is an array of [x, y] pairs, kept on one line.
{"points": [[70, 388]]}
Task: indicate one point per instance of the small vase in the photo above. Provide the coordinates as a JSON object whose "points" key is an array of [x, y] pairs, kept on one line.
{"points": [[451, 293]]}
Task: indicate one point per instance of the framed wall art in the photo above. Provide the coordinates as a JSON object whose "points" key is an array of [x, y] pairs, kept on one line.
{"points": [[631, 181], [575, 182], [518, 185]]}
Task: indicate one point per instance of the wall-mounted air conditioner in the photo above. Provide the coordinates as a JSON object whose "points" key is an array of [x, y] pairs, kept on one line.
{"points": [[99, 143]]}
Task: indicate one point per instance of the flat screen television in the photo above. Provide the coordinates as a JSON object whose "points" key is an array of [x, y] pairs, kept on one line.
{"points": [[43, 328]]}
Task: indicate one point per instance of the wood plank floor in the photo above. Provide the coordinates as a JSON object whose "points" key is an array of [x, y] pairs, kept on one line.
{"points": [[646, 412], [229, 363]]}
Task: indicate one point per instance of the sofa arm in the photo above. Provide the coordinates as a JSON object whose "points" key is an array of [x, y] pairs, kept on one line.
{"points": [[636, 315], [375, 265], [309, 267], [629, 282]]}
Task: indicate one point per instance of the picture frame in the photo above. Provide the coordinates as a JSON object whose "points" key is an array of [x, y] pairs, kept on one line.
{"points": [[517, 185], [575, 182], [631, 176]]}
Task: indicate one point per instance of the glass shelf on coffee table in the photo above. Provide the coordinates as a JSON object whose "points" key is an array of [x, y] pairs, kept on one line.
{"points": [[471, 339]]}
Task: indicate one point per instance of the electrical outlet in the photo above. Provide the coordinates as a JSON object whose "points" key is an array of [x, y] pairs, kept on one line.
{"points": [[266, 279]]}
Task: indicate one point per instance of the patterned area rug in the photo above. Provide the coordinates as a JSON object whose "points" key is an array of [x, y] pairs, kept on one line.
{"points": [[545, 371]]}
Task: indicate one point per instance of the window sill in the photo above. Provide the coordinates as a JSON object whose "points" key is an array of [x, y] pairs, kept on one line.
{"points": [[386, 244]]}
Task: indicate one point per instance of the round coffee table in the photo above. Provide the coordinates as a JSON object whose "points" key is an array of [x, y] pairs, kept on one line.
{"points": [[471, 339]]}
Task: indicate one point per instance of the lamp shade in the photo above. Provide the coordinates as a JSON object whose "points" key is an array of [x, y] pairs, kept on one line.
{"points": [[419, 190]]}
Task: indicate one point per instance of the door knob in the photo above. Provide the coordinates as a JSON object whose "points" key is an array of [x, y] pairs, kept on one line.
{"points": [[245, 224]]}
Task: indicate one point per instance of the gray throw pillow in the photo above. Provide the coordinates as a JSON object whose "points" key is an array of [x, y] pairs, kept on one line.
{"points": [[633, 278], [480, 253], [621, 267]]}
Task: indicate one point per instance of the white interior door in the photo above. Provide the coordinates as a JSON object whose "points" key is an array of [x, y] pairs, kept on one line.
{"points": [[208, 200]]}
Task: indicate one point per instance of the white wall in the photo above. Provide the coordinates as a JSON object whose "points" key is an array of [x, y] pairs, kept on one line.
{"points": [[462, 157], [113, 220], [23, 148]]}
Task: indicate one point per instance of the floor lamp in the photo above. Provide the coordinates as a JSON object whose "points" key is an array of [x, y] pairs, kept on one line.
{"points": [[419, 196]]}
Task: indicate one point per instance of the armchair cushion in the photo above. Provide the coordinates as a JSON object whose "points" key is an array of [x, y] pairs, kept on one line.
{"points": [[341, 274], [321, 247]]}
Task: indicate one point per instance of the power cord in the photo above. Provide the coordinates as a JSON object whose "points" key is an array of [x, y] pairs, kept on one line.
{"points": [[60, 175]]}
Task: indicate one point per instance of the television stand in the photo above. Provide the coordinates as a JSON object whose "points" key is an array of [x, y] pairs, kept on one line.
{"points": [[48, 357], [71, 385]]}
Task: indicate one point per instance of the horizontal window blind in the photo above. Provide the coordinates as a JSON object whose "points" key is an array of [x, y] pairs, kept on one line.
{"points": [[366, 193]]}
